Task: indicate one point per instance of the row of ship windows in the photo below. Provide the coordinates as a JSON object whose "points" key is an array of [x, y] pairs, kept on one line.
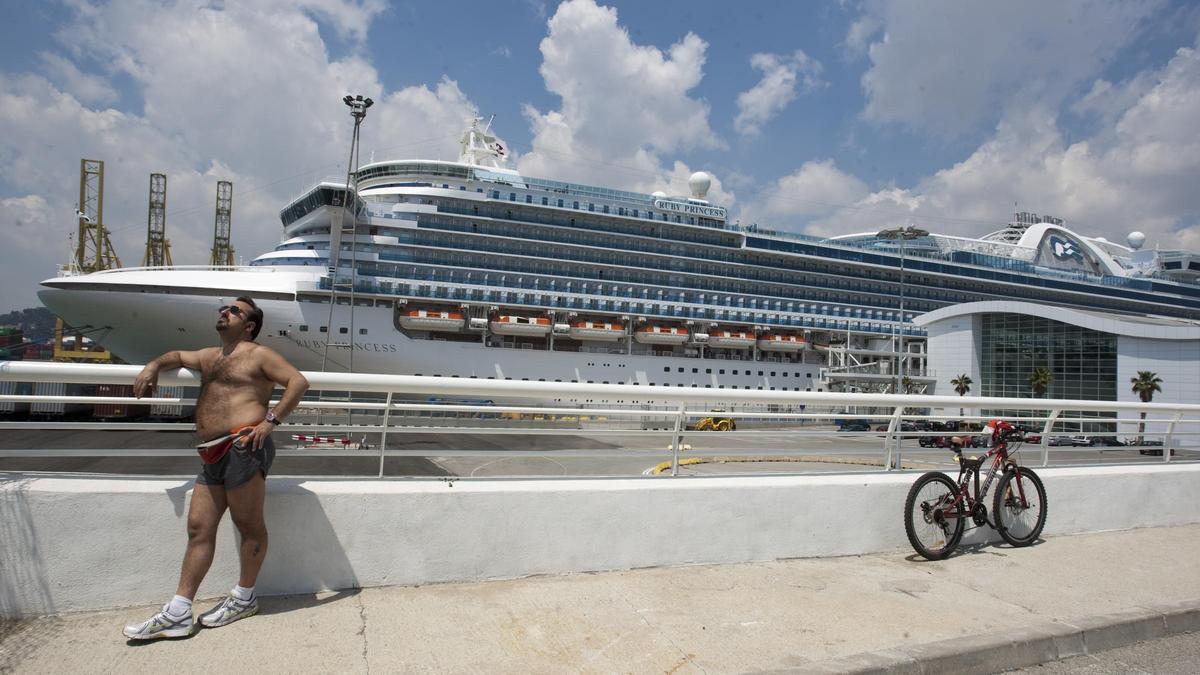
{"points": [[721, 371], [637, 384], [963, 274], [575, 220], [960, 271], [604, 208], [619, 253], [625, 254], [325, 329], [643, 308], [744, 302]]}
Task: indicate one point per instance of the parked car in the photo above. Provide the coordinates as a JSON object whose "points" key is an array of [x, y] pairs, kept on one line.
{"points": [[1150, 447], [944, 441], [855, 425], [904, 427], [1073, 441], [1107, 441]]}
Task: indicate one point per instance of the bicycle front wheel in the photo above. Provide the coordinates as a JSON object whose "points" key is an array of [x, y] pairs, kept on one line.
{"points": [[1020, 507], [932, 532]]}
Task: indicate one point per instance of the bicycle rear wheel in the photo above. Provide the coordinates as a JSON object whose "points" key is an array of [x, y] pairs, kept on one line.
{"points": [[931, 533], [1020, 507]]}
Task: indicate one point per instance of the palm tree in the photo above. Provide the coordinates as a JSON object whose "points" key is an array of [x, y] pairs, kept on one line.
{"points": [[1144, 385], [962, 384], [1040, 380]]}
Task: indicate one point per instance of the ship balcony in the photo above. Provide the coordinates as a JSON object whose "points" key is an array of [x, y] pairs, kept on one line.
{"points": [[618, 305]]}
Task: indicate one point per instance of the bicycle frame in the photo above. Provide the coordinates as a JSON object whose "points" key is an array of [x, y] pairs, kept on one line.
{"points": [[965, 499]]}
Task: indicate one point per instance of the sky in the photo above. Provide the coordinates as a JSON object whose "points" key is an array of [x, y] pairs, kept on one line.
{"points": [[813, 117]]}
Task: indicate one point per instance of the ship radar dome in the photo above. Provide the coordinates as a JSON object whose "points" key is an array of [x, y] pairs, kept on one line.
{"points": [[699, 183], [658, 194], [1136, 240]]}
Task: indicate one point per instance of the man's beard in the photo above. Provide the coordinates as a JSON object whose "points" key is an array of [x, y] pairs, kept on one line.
{"points": [[222, 327]]}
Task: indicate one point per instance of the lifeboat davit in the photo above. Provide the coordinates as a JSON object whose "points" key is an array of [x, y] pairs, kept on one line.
{"points": [[661, 335], [431, 320], [781, 343], [596, 330], [520, 325], [724, 339]]}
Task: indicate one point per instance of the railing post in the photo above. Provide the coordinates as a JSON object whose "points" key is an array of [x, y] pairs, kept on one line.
{"points": [[383, 436], [1167, 436], [1046, 436], [675, 447], [892, 438]]}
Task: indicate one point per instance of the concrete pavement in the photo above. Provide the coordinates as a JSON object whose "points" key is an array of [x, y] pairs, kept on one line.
{"points": [[988, 608]]}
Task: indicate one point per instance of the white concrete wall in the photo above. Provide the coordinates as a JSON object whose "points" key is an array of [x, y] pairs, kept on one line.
{"points": [[86, 543], [953, 350], [1177, 363]]}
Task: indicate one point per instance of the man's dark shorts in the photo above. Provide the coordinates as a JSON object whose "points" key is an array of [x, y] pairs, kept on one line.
{"points": [[238, 466]]}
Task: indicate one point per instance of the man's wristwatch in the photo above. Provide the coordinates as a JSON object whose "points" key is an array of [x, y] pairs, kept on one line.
{"points": [[272, 418]]}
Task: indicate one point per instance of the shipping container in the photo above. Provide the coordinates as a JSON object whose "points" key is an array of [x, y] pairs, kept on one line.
{"points": [[44, 409], [13, 408], [117, 410], [169, 410]]}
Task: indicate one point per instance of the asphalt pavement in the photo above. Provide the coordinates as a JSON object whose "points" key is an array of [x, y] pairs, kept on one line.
{"points": [[987, 609], [511, 452]]}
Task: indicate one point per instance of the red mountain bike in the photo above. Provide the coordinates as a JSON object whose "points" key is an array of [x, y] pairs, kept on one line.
{"points": [[937, 508]]}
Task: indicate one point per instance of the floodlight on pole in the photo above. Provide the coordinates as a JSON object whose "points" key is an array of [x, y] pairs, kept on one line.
{"points": [[901, 234]]}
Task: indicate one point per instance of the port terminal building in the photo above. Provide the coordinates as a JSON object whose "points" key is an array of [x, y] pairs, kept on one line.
{"points": [[1092, 355]]}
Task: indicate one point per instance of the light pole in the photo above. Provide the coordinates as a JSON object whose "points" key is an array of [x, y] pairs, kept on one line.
{"points": [[903, 234], [358, 110]]}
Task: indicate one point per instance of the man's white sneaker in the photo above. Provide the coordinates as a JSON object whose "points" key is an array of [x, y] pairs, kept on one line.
{"points": [[161, 625], [229, 610]]}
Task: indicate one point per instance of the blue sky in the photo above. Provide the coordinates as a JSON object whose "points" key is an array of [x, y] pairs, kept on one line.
{"points": [[818, 117]]}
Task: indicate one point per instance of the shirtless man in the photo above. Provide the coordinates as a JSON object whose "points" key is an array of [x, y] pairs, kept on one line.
{"points": [[236, 383]]}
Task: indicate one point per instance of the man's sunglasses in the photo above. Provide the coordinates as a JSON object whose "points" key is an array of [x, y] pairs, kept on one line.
{"points": [[232, 309]]}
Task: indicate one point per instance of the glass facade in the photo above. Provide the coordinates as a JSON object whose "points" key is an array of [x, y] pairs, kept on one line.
{"points": [[1083, 362]]}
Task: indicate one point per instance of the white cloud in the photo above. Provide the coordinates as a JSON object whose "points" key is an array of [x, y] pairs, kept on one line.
{"points": [[1139, 175], [623, 104], [862, 29], [88, 88], [950, 67], [247, 93], [776, 89], [816, 189]]}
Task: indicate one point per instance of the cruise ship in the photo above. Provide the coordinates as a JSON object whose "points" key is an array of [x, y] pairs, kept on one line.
{"points": [[469, 269]]}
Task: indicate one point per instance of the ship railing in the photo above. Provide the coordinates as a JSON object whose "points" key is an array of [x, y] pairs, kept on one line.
{"points": [[583, 429]]}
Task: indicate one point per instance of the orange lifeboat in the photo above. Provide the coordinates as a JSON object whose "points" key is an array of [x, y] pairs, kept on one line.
{"points": [[724, 339], [661, 335], [771, 342], [596, 330], [431, 320], [534, 326]]}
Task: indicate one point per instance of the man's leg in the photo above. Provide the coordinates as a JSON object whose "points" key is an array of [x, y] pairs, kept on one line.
{"points": [[246, 509], [208, 505]]}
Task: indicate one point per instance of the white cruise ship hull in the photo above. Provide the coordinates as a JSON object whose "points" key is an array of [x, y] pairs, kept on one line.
{"points": [[138, 324]]}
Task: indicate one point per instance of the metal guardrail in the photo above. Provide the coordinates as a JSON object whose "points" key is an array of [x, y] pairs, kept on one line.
{"points": [[392, 404]]}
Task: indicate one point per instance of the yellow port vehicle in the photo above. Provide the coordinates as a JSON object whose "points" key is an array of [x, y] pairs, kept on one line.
{"points": [[716, 423]]}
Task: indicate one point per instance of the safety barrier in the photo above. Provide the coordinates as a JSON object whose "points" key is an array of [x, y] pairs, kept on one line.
{"points": [[796, 424]]}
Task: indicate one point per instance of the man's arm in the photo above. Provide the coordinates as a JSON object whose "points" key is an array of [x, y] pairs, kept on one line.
{"points": [[279, 371], [146, 380], [284, 374]]}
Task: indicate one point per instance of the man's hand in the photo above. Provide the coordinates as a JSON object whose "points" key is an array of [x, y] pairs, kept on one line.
{"points": [[146, 381], [258, 435]]}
